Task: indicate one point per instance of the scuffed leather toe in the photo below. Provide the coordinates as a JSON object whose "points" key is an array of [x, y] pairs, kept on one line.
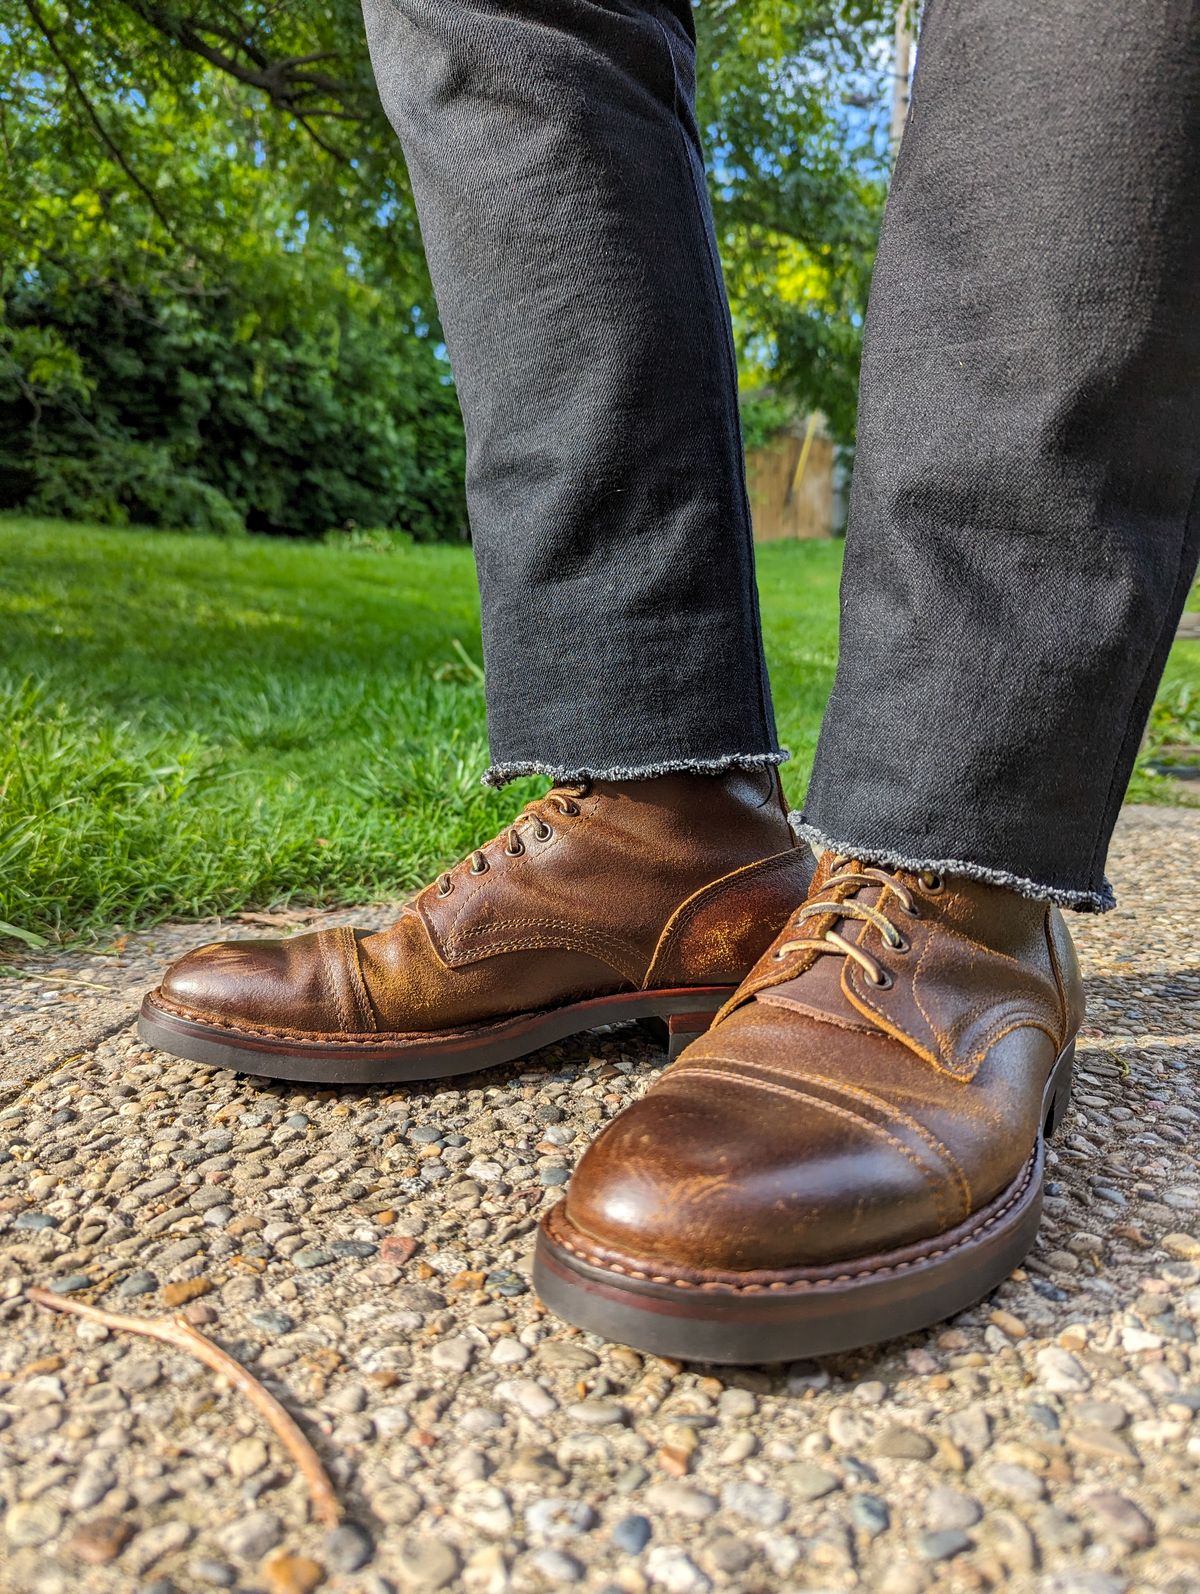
{"points": [[727, 1171], [306, 984]]}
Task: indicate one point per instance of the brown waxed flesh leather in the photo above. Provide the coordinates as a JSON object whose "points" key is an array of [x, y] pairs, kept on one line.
{"points": [[610, 887], [826, 1118]]}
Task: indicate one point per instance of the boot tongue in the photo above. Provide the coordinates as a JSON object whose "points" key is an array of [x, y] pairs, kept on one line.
{"points": [[817, 990]]}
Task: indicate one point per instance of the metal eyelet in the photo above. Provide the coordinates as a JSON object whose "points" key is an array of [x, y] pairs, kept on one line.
{"points": [[514, 852], [900, 945], [884, 983], [931, 880], [483, 866], [543, 831], [444, 891], [912, 910]]}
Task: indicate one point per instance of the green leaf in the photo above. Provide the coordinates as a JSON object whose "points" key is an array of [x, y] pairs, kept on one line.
{"points": [[29, 937]]}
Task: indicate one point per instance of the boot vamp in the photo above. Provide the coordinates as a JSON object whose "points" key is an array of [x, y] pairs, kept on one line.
{"points": [[413, 990], [780, 1141]]}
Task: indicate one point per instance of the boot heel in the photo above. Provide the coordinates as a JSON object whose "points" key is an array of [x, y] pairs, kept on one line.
{"points": [[1059, 1092], [678, 1030]]}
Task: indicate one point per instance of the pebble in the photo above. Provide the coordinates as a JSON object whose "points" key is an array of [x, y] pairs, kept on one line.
{"points": [[1111, 1515], [186, 1290], [1060, 1372], [1014, 1482], [596, 1413], [673, 1570], [729, 1555], [133, 1374], [423, 1562], [1186, 1246], [632, 1534], [453, 1355], [69, 1284], [140, 1283], [100, 1540], [870, 1514], [252, 1536], [556, 1566], [32, 1522], [680, 1500], [944, 1545], [348, 1547], [904, 1444], [487, 1508], [291, 1574], [508, 1353], [754, 1503], [559, 1519], [946, 1508], [270, 1322], [526, 1396], [218, 1574], [157, 1541], [312, 1256], [807, 1481], [247, 1456]]}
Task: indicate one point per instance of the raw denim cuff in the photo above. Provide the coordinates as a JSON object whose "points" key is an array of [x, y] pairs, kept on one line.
{"points": [[1082, 901], [501, 774]]}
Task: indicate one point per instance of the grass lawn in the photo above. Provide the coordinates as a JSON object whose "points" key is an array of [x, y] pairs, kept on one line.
{"points": [[195, 725]]}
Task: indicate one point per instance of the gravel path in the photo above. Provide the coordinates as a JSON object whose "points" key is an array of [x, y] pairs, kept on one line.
{"points": [[366, 1255]]}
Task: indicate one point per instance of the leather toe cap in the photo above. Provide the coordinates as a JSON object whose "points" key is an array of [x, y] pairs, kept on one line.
{"points": [[305, 984], [722, 1167]]}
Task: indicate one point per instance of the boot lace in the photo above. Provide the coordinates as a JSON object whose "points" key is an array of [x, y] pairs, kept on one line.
{"points": [[563, 800], [851, 876]]}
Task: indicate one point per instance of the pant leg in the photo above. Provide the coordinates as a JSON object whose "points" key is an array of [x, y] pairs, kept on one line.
{"points": [[556, 165], [1024, 519]]}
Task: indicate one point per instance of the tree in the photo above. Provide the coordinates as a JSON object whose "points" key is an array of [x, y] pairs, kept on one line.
{"points": [[216, 306], [791, 100]]}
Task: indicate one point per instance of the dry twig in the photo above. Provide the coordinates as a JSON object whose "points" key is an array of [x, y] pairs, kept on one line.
{"points": [[177, 1331]]}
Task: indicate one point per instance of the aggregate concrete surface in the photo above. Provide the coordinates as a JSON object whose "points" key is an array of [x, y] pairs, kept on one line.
{"points": [[365, 1253]]}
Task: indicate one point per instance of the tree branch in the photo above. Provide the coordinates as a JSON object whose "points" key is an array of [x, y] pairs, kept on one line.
{"points": [[288, 82], [90, 112]]}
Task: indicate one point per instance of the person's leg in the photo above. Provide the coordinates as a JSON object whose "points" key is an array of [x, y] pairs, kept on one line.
{"points": [[555, 160], [855, 1149], [556, 163], [1024, 521]]}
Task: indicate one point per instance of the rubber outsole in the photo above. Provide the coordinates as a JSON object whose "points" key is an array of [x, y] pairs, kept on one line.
{"points": [[808, 1312], [677, 1015]]}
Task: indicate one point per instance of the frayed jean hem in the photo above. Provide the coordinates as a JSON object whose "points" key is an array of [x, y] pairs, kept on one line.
{"points": [[1081, 901], [501, 774]]}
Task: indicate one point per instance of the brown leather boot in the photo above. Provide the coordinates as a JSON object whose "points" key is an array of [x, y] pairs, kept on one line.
{"points": [[600, 903], [853, 1151]]}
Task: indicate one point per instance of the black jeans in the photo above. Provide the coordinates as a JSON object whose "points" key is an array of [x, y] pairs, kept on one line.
{"points": [[1023, 521]]}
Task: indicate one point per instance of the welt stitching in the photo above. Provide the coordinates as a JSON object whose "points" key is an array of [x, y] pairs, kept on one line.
{"points": [[726, 1285], [348, 1039]]}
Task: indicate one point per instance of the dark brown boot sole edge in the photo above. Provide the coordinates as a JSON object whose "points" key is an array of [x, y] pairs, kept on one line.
{"points": [[679, 1016], [846, 1311]]}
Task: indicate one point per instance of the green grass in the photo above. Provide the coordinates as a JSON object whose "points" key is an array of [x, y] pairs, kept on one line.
{"points": [[195, 725]]}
